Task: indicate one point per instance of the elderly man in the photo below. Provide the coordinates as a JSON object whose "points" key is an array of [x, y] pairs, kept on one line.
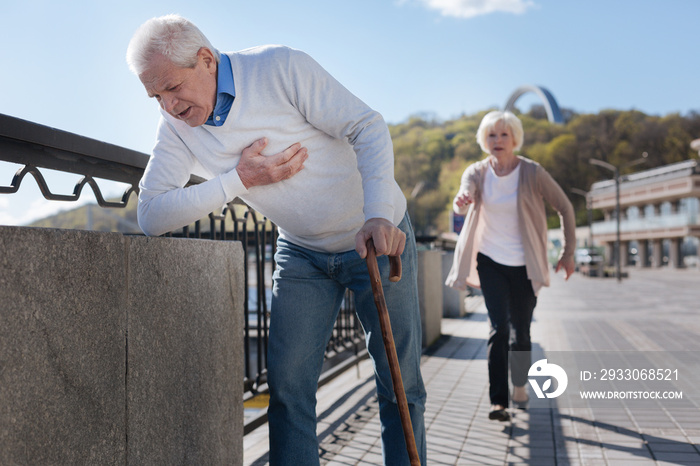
{"points": [[270, 126]]}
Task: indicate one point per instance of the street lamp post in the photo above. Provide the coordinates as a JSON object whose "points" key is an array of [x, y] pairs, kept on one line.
{"points": [[616, 173], [415, 192], [589, 213]]}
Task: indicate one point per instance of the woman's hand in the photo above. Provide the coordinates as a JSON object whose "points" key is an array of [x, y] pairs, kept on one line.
{"points": [[567, 265], [463, 199]]}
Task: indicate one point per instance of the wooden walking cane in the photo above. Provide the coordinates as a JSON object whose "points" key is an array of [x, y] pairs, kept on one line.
{"points": [[389, 346]]}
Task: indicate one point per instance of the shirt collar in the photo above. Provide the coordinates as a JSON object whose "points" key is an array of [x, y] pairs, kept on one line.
{"points": [[225, 92]]}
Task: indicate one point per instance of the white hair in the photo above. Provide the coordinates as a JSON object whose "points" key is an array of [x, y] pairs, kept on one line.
{"points": [[510, 120], [173, 37]]}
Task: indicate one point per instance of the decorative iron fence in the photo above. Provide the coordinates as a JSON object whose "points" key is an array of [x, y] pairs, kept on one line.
{"points": [[35, 147]]}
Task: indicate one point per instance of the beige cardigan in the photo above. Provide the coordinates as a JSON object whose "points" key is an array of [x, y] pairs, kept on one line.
{"points": [[535, 186]]}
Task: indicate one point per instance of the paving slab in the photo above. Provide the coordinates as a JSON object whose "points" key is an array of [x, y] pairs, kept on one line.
{"points": [[653, 313]]}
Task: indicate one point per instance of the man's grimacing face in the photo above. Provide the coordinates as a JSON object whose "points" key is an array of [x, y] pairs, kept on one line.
{"points": [[188, 94]]}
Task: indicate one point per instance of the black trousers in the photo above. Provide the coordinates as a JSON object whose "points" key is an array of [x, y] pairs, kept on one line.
{"points": [[510, 302]]}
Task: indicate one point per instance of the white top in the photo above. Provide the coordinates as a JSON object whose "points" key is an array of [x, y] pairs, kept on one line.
{"points": [[501, 239], [284, 95]]}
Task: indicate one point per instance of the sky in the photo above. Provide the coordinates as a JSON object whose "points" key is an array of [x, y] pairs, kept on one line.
{"points": [[63, 62]]}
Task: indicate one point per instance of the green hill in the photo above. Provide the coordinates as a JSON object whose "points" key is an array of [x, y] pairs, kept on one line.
{"points": [[95, 218]]}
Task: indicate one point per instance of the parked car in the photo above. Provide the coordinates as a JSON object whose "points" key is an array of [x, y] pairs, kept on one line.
{"points": [[588, 261]]}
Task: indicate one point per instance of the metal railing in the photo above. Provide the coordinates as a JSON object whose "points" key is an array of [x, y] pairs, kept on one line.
{"points": [[35, 147]]}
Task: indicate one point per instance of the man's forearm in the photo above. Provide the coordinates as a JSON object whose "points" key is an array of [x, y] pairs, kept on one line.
{"points": [[165, 211]]}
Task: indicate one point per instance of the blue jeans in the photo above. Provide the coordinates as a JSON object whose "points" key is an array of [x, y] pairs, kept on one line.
{"points": [[307, 293]]}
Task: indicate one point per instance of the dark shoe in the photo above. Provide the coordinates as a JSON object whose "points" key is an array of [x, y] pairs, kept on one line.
{"points": [[499, 415], [521, 404]]}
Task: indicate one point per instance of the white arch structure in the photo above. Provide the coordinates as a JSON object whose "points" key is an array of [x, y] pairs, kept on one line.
{"points": [[550, 104]]}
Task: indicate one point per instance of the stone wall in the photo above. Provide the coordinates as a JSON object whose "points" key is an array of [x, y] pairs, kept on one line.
{"points": [[430, 294], [453, 299], [119, 350]]}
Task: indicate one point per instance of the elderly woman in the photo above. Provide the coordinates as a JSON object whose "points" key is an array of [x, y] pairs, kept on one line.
{"points": [[502, 248]]}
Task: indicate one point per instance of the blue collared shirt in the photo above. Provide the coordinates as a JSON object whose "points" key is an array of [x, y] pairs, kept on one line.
{"points": [[225, 93]]}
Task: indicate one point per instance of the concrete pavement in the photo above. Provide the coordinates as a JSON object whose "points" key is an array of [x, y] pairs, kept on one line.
{"points": [[653, 313]]}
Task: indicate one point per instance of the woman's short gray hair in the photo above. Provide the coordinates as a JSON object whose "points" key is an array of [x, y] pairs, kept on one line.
{"points": [[171, 36], [490, 120]]}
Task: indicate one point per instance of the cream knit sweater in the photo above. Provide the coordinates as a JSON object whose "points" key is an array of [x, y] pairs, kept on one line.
{"points": [[284, 95]]}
